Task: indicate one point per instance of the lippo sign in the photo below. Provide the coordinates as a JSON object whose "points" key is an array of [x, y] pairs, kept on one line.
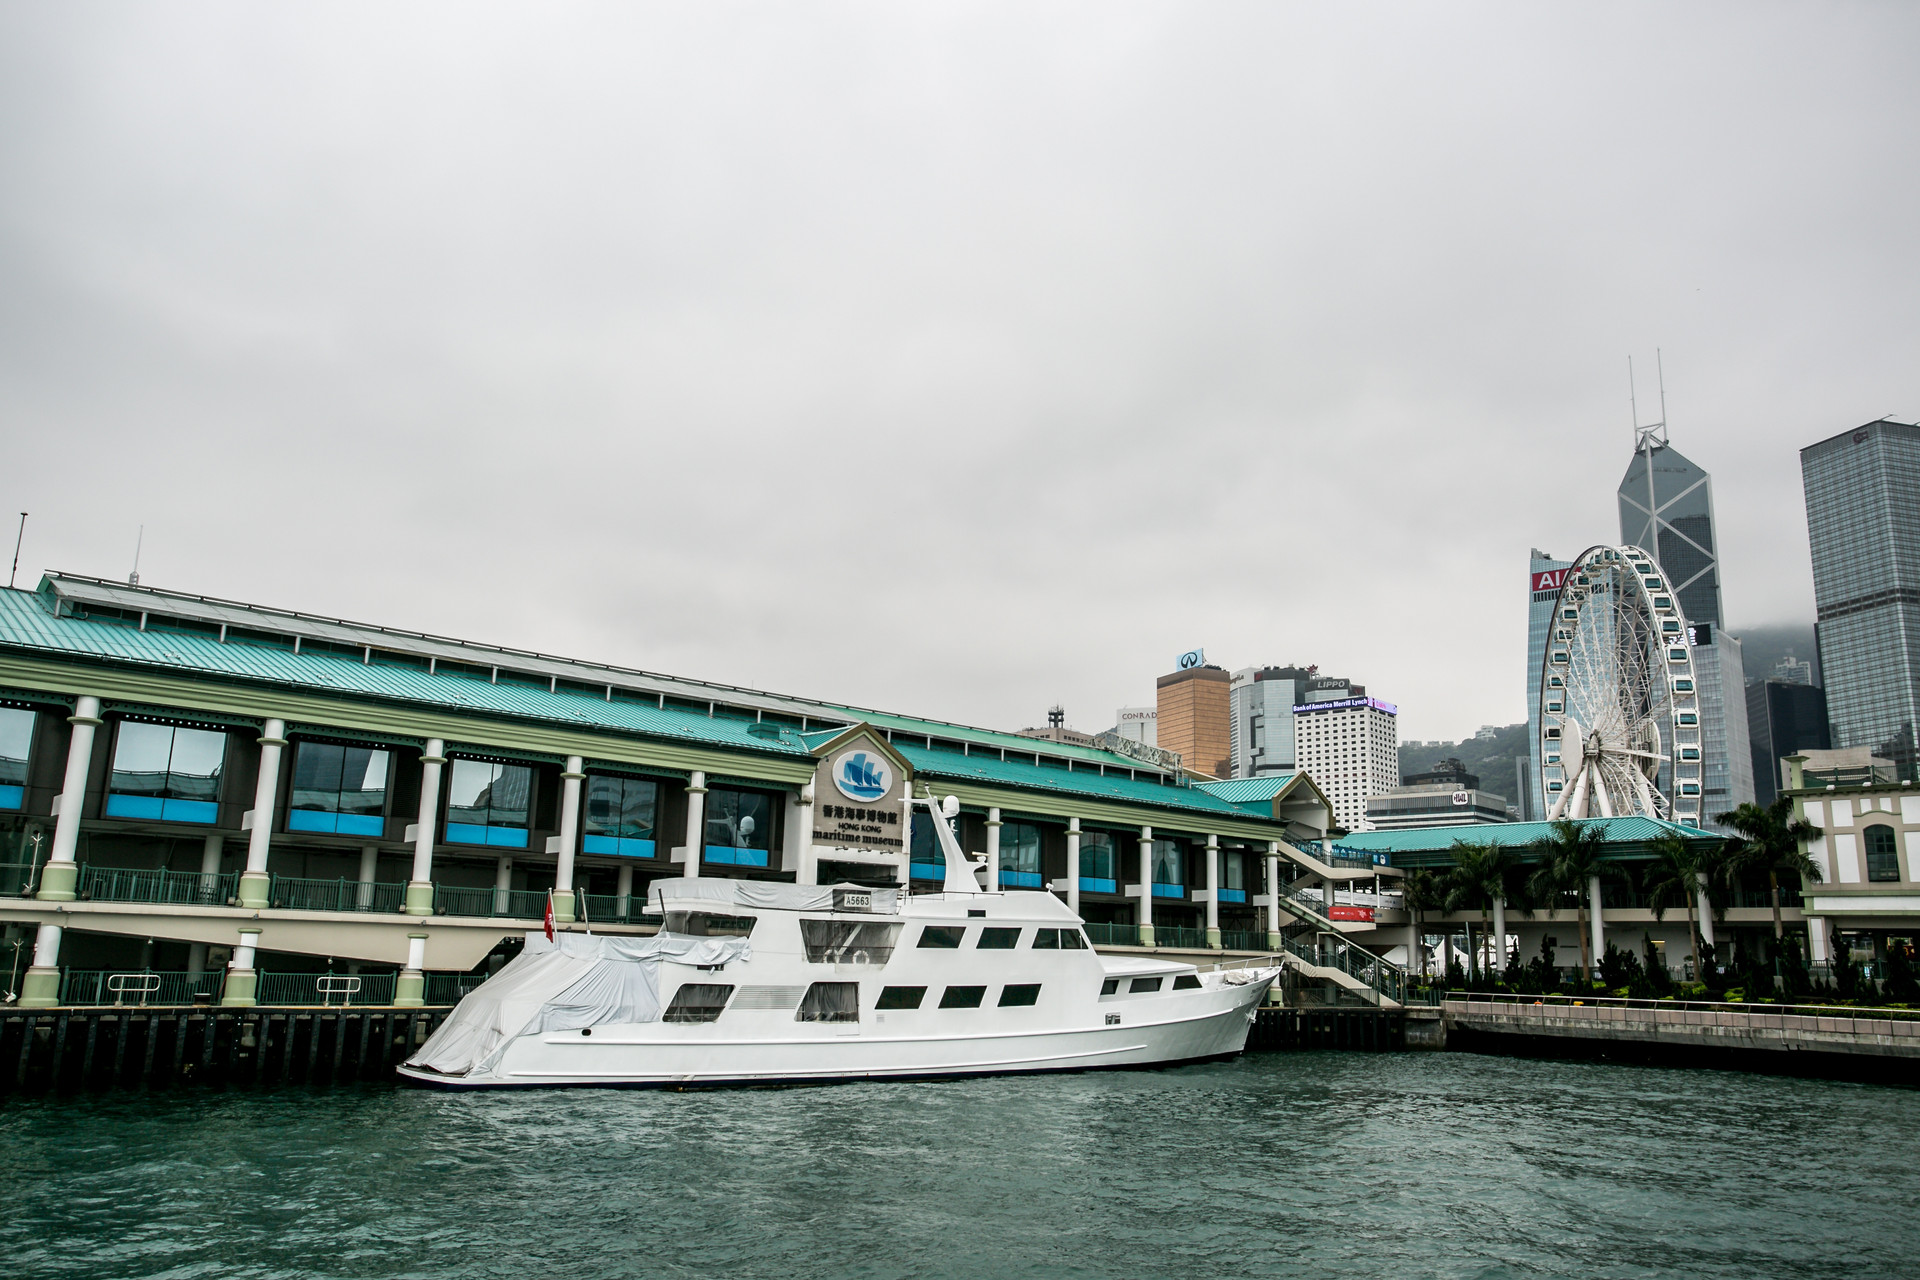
{"points": [[1551, 580], [1362, 914]]}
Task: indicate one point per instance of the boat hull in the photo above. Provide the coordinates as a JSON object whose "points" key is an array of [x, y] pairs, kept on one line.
{"points": [[1177, 1028]]}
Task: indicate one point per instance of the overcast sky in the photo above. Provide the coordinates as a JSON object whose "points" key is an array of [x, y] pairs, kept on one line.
{"points": [[952, 359]]}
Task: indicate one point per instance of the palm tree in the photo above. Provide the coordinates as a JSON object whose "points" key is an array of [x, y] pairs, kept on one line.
{"points": [[1423, 891], [1478, 879], [1571, 857], [1678, 865], [1773, 840]]}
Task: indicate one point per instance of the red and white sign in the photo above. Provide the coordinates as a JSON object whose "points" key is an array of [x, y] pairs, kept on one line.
{"points": [[1550, 580], [1351, 913]]}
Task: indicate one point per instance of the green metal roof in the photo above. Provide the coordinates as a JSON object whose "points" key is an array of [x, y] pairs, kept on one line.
{"points": [[995, 739], [1077, 782], [1430, 846], [1249, 790], [26, 625]]}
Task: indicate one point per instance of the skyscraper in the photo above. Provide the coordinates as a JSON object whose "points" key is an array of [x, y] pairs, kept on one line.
{"points": [[1666, 509], [1262, 707], [1863, 524], [1192, 718], [1544, 577]]}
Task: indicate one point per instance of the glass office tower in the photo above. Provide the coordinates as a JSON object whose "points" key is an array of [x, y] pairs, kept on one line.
{"points": [[1666, 509], [1863, 525]]}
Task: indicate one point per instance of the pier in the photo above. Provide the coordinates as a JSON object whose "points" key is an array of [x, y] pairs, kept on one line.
{"points": [[1798, 1039], [156, 1046]]}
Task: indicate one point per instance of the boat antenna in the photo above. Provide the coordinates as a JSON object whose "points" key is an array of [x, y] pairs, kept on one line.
{"points": [[18, 538], [133, 579]]}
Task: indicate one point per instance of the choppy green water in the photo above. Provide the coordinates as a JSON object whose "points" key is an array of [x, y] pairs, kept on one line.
{"points": [[1302, 1165]]}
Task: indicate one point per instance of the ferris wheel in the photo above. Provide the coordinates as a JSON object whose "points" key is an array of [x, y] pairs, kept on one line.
{"points": [[1619, 702]]}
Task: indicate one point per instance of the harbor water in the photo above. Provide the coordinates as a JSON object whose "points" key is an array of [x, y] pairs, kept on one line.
{"points": [[1278, 1164]]}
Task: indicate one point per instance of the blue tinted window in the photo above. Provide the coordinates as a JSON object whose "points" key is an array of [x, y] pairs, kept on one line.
{"points": [[16, 740], [338, 789], [168, 773], [619, 816], [739, 827], [1020, 855], [487, 803]]}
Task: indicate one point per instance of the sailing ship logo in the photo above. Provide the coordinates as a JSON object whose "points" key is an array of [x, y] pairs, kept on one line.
{"points": [[862, 776]]}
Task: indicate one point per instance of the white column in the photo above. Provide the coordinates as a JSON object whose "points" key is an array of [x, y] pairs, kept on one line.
{"points": [[212, 851], [369, 867], [502, 883], [1273, 893], [60, 875], [696, 821], [624, 888], [410, 987], [807, 867], [1597, 925], [242, 985], [1500, 934], [1146, 886], [266, 789], [420, 888], [1213, 891], [993, 851], [1073, 865], [1706, 914], [570, 780]]}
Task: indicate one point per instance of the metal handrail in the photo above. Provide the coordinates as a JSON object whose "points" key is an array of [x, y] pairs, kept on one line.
{"points": [[189, 888], [345, 985], [120, 985], [295, 893]]}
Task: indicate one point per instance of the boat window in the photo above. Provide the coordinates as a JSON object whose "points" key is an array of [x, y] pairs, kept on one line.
{"points": [[1144, 984], [900, 997], [698, 1002], [848, 941], [1186, 982], [1110, 986], [998, 939], [962, 997], [830, 1002], [705, 924], [1046, 939], [1018, 994], [944, 936], [1072, 940]]}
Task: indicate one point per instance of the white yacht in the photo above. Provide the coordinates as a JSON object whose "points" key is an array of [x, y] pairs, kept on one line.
{"points": [[749, 982]]}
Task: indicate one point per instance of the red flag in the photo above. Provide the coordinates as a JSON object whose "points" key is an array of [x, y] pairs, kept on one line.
{"points": [[549, 919]]}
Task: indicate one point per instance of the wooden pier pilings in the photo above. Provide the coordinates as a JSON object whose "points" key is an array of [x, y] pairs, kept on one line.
{"points": [[166, 1046]]}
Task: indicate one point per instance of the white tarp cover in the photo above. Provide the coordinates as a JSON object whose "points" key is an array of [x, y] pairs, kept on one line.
{"points": [[686, 894], [578, 980]]}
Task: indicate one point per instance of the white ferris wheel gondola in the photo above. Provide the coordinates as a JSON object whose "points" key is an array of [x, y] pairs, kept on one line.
{"points": [[1619, 707]]}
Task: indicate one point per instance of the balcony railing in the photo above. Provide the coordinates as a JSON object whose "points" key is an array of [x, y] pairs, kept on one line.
{"points": [[188, 888], [325, 988], [137, 987], [17, 879], [512, 904], [1240, 941], [1172, 936], [451, 988], [1113, 935], [295, 894], [611, 908]]}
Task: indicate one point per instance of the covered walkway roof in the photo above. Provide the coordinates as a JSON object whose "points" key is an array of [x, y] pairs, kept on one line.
{"points": [[1431, 846]]}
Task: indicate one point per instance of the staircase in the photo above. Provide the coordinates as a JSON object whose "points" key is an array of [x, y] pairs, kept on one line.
{"points": [[1314, 947]]}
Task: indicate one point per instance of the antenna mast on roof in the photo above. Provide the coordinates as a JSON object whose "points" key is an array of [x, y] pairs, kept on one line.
{"points": [[1654, 434], [133, 579], [18, 538]]}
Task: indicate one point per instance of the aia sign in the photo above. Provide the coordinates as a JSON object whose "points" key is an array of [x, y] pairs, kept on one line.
{"points": [[1550, 580]]}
